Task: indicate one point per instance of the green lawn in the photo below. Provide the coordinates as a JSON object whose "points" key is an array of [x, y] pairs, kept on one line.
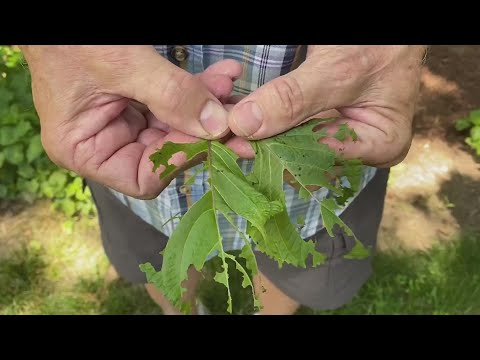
{"points": [[65, 274]]}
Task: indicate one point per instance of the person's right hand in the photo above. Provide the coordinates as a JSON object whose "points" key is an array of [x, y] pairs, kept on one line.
{"points": [[89, 100]]}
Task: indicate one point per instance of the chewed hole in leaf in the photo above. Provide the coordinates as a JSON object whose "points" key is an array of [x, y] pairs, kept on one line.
{"points": [[178, 158]]}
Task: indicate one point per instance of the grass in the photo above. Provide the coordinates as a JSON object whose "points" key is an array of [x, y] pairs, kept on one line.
{"points": [[67, 274], [444, 280]]}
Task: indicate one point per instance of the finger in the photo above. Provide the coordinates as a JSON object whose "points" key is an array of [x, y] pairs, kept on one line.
{"points": [[241, 147], [287, 101], [378, 144], [142, 108], [220, 76], [130, 170], [175, 96], [154, 123], [92, 153], [219, 85], [148, 136], [231, 68]]}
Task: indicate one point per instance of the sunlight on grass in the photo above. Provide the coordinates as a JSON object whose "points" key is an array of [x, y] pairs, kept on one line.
{"points": [[444, 280], [61, 272]]}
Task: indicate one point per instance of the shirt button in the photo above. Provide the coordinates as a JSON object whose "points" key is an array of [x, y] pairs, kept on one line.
{"points": [[185, 189], [180, 53]]}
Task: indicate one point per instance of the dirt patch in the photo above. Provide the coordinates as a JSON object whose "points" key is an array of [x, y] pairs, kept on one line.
{"points": [[450, 90], [434, 194], [20, 224]]}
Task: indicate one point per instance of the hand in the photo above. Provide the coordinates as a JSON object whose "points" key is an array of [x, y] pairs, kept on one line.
{"points": [[89, 102], [373, 88]]}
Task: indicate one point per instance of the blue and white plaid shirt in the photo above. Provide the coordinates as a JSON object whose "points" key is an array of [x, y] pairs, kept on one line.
{"points": [[261, 63]]}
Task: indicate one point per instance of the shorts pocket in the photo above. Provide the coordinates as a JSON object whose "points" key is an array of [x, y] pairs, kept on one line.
{"points": [[334, 247]]}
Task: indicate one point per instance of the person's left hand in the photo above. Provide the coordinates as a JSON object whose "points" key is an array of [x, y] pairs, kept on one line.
{"points": [[373, 88]]}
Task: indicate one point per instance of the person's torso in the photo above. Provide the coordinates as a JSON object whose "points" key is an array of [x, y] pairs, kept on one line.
{"points": [[260, 63]]}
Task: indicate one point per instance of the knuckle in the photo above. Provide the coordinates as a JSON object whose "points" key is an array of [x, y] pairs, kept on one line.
{"points": [[346, 72], [290, 95], [359, 64], [175, 88]]}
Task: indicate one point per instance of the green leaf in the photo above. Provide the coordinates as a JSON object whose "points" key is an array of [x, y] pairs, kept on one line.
{"points": [[26, 171], [235, 190], [330, 218], [11, 134], [68, 226], [311, 163], [475, 117], [7, 135], [191, 179], [258, 198], [344, 132], [230, 192], [80, 195], [152, 275], [359, 252], [475, 133], [299, 152], [57, 180], [475, 145], [267, 174], [47, 190], [347, 194], [14, 154], [85, 208], [353, 171], [222, 278], [463, 124], [67, 206], [6, 96], [22, 128], [32, 186], [2, 159], [192, 241], [163, 155], [246, 282], [284, 244], [249, 256], [35, 148], [301, 220], [71, 189], [246, 252], [3, 191]]}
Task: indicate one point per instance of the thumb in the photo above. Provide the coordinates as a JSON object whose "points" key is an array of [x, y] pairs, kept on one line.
{"points": [[287, 101], [176, 97]]}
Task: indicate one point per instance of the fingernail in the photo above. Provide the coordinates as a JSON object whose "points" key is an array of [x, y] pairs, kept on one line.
{"points": [[248, 118], [214, 118]]}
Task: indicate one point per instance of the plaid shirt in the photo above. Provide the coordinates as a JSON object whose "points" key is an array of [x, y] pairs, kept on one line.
{"points": [[261, 63]]}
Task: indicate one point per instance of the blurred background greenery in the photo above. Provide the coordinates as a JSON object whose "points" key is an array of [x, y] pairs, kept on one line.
{"points": [[52, 262]]}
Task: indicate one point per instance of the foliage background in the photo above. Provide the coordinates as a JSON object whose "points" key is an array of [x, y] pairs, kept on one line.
{"points": [[26, 173]]}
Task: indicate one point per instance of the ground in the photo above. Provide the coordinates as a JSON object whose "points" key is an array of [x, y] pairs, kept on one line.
{"points": [[428, 248], [435, 192]]}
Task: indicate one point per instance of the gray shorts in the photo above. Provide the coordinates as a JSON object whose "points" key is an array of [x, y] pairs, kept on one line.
{"points": [[130, 241]]}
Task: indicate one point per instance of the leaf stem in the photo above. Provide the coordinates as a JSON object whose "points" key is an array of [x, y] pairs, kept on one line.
{"points": [[220, 244]]}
